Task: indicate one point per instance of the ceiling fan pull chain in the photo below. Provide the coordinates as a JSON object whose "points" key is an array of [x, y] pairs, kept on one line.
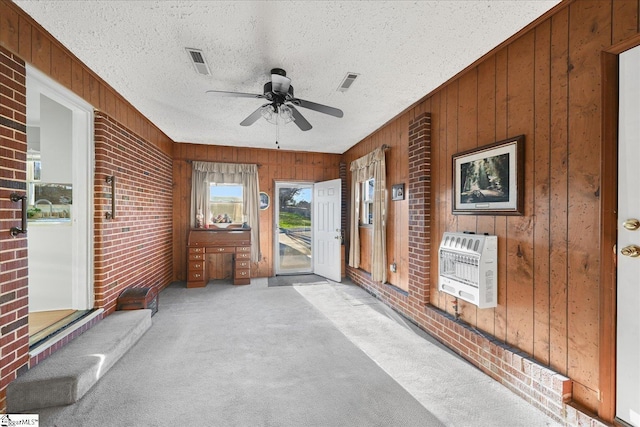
{"points": [[277, 132]]}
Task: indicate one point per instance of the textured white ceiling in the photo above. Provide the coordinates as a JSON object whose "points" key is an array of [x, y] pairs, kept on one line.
{"points": [[402, 50]]}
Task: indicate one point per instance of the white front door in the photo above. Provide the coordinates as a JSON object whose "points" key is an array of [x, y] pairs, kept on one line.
{"points": [[628, 316], [327, 232]]}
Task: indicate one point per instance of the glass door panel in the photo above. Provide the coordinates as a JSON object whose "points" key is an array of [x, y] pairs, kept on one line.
{"points": [[293, 228]]}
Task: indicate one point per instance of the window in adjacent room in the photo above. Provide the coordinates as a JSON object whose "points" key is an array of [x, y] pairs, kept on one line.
{"points": [[225, 203]]}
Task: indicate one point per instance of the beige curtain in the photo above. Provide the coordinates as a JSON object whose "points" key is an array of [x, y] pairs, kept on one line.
{"points": [[370, 166], [205, 173]]}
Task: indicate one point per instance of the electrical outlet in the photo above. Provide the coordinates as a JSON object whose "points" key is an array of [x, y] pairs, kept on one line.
{"points": [[393, 267]]}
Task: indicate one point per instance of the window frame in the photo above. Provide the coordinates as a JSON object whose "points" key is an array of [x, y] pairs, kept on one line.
{"points": [[366, 202]]}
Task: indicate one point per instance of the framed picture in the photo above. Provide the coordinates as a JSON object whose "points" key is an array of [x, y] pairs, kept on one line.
{"points": [[489, 180], [264, 200], [397, 192]]}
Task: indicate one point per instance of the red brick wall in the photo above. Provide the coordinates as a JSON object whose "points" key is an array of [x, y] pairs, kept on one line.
{"points": [[14, 341], [419, 208], [135, 248]]}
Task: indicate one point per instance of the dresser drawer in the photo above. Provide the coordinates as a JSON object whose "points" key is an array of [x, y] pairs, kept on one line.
{"points": [[196, 257], [243, 255], [243, 249], [221, 250], [196, 250], [195, 276], [242, 277], [242, 264], [243, 273], [196, 265]]}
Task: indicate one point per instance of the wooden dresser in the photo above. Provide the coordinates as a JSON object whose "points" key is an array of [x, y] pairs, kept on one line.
{"points": [[236, 241]]}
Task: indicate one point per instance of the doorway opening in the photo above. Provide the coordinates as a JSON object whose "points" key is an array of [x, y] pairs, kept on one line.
{"points": [[293, 228], [308, 234], [59, 207]]}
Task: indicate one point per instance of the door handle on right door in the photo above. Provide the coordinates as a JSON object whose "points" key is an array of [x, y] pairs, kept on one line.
{"points": [[632, 251], [631, 224]]}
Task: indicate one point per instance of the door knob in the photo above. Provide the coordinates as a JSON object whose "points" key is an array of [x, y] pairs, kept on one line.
{"points": [[632, 251], [631, 224]]}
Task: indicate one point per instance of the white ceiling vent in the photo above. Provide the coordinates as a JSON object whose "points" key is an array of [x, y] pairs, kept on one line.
{"points": [[198, 61], [347, 81]]}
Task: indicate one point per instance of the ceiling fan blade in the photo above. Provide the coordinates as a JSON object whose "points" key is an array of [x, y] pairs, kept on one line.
{"points": [[253, 117], [335, 112], [298, 119], [235, 94]]}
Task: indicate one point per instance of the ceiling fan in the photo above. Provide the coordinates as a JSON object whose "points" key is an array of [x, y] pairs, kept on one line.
{"points": [[282, 103]]}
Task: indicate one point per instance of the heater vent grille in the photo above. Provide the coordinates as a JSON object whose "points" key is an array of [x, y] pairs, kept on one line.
{"points": [[468, 266]]}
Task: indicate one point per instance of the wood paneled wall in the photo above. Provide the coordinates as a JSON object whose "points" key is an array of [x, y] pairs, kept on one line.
{"points": [[546, 83], [274, 165], [396, 136], [26, 38]]}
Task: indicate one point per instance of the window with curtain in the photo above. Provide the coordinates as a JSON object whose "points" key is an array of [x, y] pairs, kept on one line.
{"points": [[204, 174], [365, 171]]}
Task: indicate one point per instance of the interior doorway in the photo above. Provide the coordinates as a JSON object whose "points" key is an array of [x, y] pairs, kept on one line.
{"points": [[59, 206], [628, 243]]}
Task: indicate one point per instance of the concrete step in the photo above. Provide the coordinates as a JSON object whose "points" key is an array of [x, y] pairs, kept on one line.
{"points": [[65, 376]]}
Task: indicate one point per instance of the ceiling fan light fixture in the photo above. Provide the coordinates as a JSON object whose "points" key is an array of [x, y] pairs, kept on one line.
{"points": [[286, 115], [268, 113], [281, 115]]}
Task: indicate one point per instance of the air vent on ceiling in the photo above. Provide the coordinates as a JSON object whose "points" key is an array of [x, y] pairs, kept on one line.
{"points": [[347, 82], [198, 61]]}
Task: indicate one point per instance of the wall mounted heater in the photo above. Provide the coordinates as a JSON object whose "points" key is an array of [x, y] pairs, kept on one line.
{"points": [[469, 268]]}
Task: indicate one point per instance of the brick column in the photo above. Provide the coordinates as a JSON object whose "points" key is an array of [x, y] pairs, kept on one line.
{"points": [[419, 208], [14, 330]]}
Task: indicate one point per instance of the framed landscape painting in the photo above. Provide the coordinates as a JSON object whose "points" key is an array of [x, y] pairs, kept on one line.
{"points": [[489, 180]]}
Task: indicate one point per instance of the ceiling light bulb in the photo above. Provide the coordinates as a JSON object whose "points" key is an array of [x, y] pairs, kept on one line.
{"points": [[286, 115], [268, 113]]}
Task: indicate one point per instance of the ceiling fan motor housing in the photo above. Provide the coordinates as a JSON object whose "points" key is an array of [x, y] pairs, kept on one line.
{"points": [[272, 95]]}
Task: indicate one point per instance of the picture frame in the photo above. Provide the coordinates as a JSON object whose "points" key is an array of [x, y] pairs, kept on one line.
{"points": [[264, 201], [489, 180], [397, 192]]}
